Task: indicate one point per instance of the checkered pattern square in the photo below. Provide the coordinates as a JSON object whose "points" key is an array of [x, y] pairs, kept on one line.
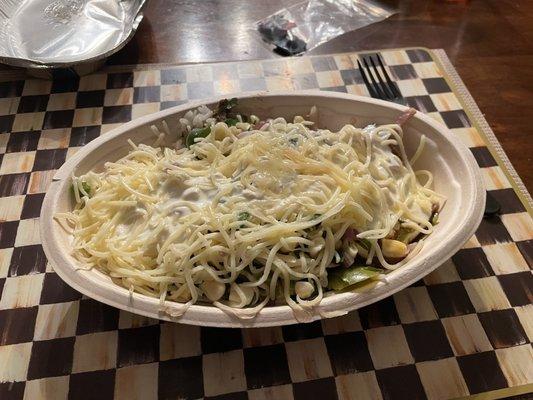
{"points": [[465, 329]]}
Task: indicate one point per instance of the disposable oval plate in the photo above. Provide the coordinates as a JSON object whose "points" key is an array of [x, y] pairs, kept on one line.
{"points": [[455, 172]]}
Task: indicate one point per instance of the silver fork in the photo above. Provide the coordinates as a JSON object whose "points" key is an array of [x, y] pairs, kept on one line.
{"points": [[379, 84]]}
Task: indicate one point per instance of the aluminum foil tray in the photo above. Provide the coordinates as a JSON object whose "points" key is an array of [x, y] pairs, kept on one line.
{"points": [[65, 34]]}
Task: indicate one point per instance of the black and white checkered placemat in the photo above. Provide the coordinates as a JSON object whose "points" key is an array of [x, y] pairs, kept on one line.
{"points": [[465, 329]]}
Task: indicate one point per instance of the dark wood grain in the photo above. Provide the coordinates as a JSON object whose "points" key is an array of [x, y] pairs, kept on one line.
{"points": [[490, 43]]}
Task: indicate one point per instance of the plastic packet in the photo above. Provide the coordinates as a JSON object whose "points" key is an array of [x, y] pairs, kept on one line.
{"points": [[308, 24]]}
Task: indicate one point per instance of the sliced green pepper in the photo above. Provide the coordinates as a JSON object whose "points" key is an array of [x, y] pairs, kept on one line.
{"points": [[342, 278]]}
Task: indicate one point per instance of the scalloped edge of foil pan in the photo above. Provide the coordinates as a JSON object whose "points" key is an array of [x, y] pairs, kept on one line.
{"points": [[129, 24]]}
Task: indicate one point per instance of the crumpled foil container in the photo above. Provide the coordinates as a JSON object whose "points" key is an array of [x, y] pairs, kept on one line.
{"points": [[51, 37]]}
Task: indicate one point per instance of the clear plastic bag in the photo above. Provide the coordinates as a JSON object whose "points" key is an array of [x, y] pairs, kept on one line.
{"points": [[308, 24]]}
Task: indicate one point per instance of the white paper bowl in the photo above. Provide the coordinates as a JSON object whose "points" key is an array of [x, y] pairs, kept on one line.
{"points": [[453, 166]]}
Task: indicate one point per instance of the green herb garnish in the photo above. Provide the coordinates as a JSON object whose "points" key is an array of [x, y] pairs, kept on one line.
{"points": [[197, 133], [86, 187], [231, 103], [243, 216], [224, 107], [231, 121]]}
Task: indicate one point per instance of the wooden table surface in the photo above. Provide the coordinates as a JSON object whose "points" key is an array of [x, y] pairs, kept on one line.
{"points": [[490, 42]]}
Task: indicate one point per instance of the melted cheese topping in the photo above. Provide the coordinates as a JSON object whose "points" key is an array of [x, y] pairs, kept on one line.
{"points": [[241, 216]]}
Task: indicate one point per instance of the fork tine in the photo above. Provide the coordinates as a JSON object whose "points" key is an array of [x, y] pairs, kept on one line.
{"points": [[366, 81], [388, 94], [377, 88], [392, 86]]}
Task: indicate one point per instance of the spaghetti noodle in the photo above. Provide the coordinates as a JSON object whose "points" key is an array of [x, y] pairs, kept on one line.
{"points": [[253, 212]]}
